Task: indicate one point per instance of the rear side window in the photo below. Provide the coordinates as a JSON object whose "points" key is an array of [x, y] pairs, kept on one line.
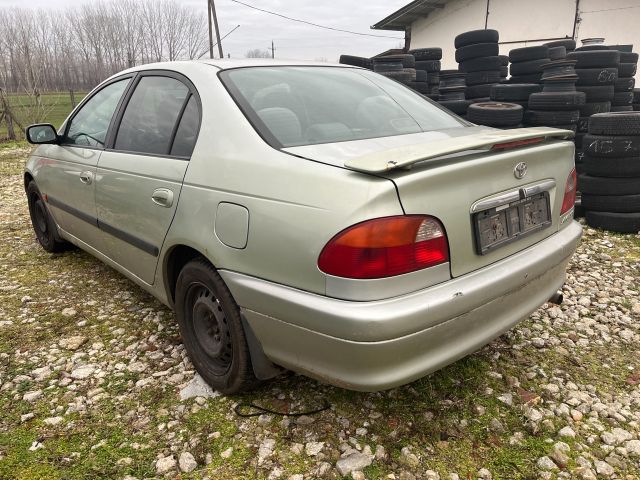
{"points": [[150, 118], [187, 132]]}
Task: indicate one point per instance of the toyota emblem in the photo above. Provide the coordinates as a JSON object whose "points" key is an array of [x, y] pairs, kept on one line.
{"points": [[520, 170]]}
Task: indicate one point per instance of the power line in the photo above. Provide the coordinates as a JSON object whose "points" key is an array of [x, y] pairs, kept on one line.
{"points": [[611, 9], [314, 24]]}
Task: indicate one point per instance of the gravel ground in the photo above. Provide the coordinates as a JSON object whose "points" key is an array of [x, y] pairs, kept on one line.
{"points": [[94, 383]]}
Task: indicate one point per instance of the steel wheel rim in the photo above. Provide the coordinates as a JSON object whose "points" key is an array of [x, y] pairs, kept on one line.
{"points": [[40, 217], [210, 328]]}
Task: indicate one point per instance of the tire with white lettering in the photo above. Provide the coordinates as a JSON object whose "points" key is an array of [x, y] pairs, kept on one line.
{"points": [[596, 76], [615, 222], [612, 145]]}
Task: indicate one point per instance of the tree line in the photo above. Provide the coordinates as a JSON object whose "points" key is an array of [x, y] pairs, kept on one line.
{"points": [[78, 47]]}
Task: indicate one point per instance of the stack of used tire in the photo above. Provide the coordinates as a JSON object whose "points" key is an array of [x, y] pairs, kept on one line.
{"points": [[427, 61], [623, 86], [597, 71], [569, 45], [636, 99], [400, 67], [610, 184], [477, 56], [517, 93], [496, 114], [526, 63], [504, 67], [558, 103], [356, 61], [452, 91]]}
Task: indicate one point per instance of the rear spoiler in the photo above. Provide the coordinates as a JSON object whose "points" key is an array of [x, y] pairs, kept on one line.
{"points": [[405, 156]]}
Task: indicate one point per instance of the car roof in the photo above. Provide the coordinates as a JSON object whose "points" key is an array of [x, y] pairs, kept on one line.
{"points": [[226, 64]]}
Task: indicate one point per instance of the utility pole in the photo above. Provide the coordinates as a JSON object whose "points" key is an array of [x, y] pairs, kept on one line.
{"points": [[273, 50], [212, 8], [210, 31]]}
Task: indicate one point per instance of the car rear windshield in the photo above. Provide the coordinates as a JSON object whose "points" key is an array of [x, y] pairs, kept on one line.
{"points": [[291, 106]]}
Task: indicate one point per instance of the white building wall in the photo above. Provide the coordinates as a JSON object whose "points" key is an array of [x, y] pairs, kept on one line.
{"points": [[618, 21]]}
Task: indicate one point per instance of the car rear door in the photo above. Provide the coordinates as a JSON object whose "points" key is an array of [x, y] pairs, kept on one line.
{"points": [[140, 174], [66, 172]]}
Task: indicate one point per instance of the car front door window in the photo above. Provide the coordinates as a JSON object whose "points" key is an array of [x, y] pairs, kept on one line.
{"points": [[89, 126]]}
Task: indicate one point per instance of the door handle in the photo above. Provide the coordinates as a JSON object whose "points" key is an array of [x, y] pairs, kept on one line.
{"points": [[162, 197], [86, 177]]}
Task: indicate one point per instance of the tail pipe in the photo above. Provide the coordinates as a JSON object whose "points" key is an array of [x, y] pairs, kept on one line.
{"points": [[556, 298]]}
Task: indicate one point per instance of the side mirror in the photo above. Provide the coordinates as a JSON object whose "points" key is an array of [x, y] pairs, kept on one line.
{"points": [[42, 133]]}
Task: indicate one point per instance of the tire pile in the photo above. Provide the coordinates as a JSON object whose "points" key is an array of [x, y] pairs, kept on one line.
{"points": [[558, 104], [623, 86], [610, 182], [636, 99], [401, 68], [427, 61], [477, 54], [452, 91], [526, 63]]}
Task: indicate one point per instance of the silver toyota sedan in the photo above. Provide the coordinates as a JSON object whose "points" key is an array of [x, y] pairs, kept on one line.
{"points": [[315, 217]]}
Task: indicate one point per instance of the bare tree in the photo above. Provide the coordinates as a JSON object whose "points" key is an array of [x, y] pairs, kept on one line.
{"points": [[257, 53]]}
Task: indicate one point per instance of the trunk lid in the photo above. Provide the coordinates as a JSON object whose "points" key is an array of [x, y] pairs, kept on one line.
{"points": [[447, 175]]}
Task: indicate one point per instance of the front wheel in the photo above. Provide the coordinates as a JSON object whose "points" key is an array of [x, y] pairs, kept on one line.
{"points": [[211, 329], [43, 225]]}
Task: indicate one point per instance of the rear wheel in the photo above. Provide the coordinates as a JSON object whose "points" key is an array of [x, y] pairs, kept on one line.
{"points": [[211, 329], [43, 225]]}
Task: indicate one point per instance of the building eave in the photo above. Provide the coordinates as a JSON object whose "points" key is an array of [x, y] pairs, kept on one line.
{"points": [[405, 16]]}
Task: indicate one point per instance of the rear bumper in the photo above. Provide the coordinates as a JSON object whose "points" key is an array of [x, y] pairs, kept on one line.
{"points": [[382, 344]]}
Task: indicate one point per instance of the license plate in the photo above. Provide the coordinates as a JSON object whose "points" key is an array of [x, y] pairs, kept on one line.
{"points": [[508, 223]]}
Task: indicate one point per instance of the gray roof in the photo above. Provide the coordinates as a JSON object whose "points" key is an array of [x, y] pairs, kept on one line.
{"points": [[408, 14]]}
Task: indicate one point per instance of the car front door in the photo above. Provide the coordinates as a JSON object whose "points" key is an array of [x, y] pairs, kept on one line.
{"points": [[67, 170], [140, 174]]}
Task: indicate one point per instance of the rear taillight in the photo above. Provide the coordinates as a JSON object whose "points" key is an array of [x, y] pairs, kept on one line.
{"points": [[517, 143], [384, 247], [569, 193]]}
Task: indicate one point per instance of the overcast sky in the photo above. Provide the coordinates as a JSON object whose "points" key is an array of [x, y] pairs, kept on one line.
{"points": [[292, 40]]}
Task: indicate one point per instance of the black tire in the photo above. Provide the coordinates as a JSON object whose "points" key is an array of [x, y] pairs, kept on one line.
{"points": [[624, 84], [516, 91], [448, 81], [583, 125], [479, 91], [387, 67], [527, 54], [557, 53], [626, 70], [480, 64], [408, 61], [428, 65], [556, 101], [622, 98], [560, 70], [448, 96], [427, 53], [504, 60], [592, 108], [421, 87], [405, 75], [495, 114], [568, 44], [476, 36], [622, 108], [608, 186], [597, 94], [43, 224], [636, 107], [504, 71], [621, 123], [636, 95], [531, 78], [578, 140], [569, 126], [356, 61], [211, 329], [615, 222], [476, 50], [622, 48], [421, 76], [433, 80], [589, 48], [595, 58], [482, 77], [596, 76], [628, 57], [551, 118], [528, 67], [612, 145], [459, 107], [611, 203], [558, 85], [615, 167]]}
